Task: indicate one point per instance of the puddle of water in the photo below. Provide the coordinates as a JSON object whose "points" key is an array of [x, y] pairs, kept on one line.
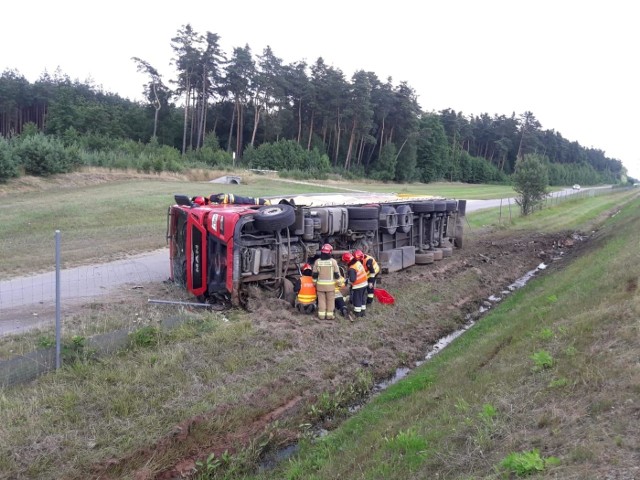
{"points": [[272, 460]]}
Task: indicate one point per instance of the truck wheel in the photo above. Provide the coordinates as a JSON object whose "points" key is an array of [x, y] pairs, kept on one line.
{"points": [[447, 251], [437, 254], [405, 218], [388, 219], [452, 205], [272, 218]]}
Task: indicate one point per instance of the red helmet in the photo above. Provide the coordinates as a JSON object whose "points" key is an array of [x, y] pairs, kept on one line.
{"points": [[347, 257], [198, 200], [326, 248], [359, 254], [306, 266]]}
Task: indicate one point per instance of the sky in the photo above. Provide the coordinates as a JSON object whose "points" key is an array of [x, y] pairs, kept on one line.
{"points": [[572, 63]]}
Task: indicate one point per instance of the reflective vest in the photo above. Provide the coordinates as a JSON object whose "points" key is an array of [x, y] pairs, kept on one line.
{"points": [[326, 268], [375, 267], [307, 293], [339, 285], [361, 276]]}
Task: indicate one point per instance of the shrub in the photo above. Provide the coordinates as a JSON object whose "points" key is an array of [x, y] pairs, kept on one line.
{"points": [[8, 168], [41, 155]]}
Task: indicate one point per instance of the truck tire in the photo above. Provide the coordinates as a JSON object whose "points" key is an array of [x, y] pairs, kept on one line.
{"points": [[437, 254], [439, 206], [452, 205], [405, 218], [363, 213], [388, 219], [272, 218], [422, 207], [447, 251], [361, 225], [424, 258]]}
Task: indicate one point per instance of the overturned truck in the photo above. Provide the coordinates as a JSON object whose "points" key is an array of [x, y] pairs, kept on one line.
{"points": [[222, 244]]}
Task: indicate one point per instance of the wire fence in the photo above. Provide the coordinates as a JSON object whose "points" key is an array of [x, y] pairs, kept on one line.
{"points": [[97, 305], [508, 208]]}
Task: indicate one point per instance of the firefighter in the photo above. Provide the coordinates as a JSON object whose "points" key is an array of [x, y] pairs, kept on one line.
{"points": [[357, 277], [341, 305], [325, 273], [305, 289], [372, 268]]}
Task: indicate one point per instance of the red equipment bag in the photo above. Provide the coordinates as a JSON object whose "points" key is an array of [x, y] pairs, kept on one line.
{"points": [[383, 296]]}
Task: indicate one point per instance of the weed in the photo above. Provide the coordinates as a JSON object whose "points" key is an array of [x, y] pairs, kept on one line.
{"points": [[462, 405], [558, 382], [526, 463], [76, 350], [552, 298], [282, 344], [488, 413], [145, 337], [542, 360], [408, 442], [205, 469], [546, 334], [45, 342]]}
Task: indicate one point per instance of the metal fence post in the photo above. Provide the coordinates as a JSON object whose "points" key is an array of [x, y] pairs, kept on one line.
{"points": [[58, 320]]}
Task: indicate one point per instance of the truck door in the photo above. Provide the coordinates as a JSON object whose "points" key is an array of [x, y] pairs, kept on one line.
{"points": [[196, 255]]}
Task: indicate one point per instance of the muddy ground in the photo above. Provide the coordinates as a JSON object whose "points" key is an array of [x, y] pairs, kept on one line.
{"points": [[431, 301]]}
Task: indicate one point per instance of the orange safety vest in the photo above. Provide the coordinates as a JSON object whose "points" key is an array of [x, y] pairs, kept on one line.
{"points": [[376, 267], [307, 294], [361, 276]]}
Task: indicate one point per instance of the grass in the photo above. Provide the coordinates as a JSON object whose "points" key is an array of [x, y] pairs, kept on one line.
{"points": [[228, 370], [573, 408], [573, 214]]}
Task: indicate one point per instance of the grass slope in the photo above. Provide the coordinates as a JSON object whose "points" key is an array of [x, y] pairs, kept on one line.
{"points": [[554, 368]]}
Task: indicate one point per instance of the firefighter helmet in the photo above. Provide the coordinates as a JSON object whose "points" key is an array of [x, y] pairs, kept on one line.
{"points": [[326, 248], [306, 266], [359, 254], [198, 200], [347, 257]]}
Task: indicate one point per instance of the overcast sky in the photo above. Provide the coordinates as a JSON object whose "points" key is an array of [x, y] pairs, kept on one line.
{"points": [[574, 64]]}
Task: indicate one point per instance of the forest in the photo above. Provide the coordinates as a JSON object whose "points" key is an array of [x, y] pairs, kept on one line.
{"points": [[256, 111]]}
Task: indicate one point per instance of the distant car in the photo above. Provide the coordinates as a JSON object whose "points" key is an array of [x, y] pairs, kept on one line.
{"points": [[576, 187]]}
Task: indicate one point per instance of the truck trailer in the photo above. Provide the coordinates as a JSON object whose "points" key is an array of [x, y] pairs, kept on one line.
{"points": [[221, 244]]}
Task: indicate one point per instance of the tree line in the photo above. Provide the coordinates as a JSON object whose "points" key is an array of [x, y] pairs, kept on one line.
{"points": [[255, 110]]}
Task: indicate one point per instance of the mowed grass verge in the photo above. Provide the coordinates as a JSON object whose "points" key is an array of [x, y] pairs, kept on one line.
{"points": [[551, 373]]}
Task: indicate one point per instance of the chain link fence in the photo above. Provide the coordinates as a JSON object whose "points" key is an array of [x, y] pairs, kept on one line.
{"points": [[99, 305]]}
